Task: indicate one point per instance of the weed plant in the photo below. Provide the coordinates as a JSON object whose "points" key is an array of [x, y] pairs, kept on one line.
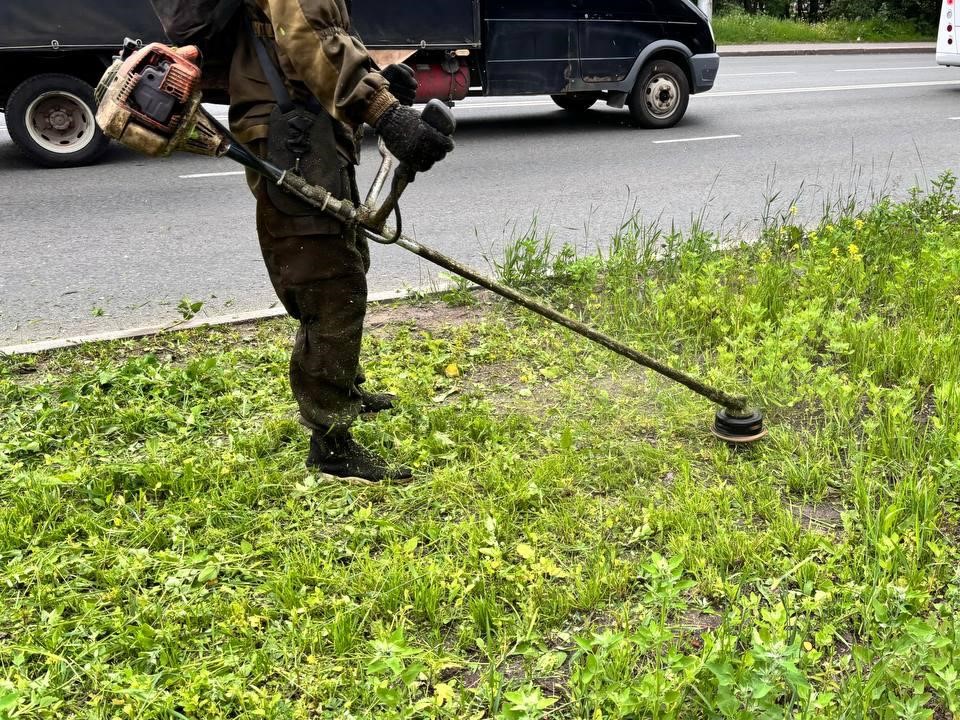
{"points": [[576, 544]]}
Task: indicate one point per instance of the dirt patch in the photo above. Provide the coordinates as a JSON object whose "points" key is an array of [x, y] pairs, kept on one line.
{"points": [[513, 672], [630, 381], [503, 375], [500, 383], [693, 624], [825, 517], [596, 621], [927, 409], [470, 679], [699, 622], [429, 316], [805, 417]]}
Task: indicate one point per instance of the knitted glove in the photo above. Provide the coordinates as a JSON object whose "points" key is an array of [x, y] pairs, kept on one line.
{"points": [[403, 82], [411, 140]]}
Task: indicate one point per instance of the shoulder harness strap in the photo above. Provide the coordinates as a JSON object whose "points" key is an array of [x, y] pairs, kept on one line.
{"points": [[279, 88]]}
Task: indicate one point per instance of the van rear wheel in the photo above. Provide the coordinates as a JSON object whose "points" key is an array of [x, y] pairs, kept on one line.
{"points": [[52, 119], [575, 102], [661, 95]]}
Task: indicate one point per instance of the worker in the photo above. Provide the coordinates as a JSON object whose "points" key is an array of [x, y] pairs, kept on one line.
{"points": [[302, 87]]}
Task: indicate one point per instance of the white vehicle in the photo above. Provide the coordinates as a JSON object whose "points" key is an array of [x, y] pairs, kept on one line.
{"points": [[948, 53]]}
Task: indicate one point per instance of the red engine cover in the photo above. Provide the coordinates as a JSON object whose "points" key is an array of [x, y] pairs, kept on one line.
{"points": [[437, 83]]}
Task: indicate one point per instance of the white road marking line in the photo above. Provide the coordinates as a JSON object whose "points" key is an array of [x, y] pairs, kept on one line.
{"points": [[753, 74], [737, 93], [197, 176], [828, 88], [914, 67], [954, 118], [696, 139]]}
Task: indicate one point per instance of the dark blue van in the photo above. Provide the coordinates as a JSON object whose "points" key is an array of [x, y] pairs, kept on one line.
{"points": [[647, 55]]}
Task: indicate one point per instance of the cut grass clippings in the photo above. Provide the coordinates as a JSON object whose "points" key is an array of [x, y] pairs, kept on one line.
{"points": [[741, 29], [576, 544]]}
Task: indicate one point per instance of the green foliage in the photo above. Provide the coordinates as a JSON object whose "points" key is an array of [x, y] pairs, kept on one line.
{"points": [[188, 308], [830, 20], [846, 22], [920, 12], [575, 546]]}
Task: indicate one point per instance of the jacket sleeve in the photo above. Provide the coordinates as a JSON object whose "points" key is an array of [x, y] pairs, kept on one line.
{"points": [[314, 36]]}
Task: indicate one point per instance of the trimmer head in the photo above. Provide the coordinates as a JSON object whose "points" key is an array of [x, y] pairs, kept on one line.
{"points": [[739, 427]]}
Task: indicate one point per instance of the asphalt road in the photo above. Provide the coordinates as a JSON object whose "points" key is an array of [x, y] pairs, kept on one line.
{"points": [[118, 245]]}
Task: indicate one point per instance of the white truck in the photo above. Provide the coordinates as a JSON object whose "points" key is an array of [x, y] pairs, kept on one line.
{"points": [[947, 51]]}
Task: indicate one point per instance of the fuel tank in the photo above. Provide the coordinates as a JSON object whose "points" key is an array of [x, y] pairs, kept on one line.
{"points": [[448, 81]]}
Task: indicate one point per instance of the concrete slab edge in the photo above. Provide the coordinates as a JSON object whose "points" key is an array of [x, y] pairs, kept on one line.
{"points": [[41, 346], [865, 50]]}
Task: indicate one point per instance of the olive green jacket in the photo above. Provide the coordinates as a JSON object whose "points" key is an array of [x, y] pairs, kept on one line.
{"points": [[318, 56]]}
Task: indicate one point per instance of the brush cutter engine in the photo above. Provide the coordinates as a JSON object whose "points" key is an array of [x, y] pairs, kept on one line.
{"points": [[149, 100]]}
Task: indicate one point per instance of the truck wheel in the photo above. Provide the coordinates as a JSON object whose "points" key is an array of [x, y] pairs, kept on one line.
{"points": [[52, 119], [660, 97], [574, 102]]}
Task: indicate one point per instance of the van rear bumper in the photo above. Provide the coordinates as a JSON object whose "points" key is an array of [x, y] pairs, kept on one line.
{"points": [[704, 70], [951, 58]]}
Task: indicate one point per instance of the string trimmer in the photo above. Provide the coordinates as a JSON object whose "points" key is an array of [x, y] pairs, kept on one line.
{"points": [[150, 100]]}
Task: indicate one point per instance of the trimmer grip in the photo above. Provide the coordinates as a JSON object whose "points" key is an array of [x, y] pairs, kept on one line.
{"points": [[438, 116]]}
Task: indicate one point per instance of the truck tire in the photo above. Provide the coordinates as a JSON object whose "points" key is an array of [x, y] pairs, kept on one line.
{"points": [[661, 95], [52, 119], [575, 102]]}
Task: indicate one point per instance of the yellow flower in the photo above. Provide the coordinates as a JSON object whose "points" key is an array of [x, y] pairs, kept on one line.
{"points": [[829, 228], [858, 224], [835, 252], [795, 247], [853, 250], [793, 210]]}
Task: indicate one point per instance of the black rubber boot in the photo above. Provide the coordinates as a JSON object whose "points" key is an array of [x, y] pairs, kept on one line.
{"points": [[339, 455], [371, 403]]}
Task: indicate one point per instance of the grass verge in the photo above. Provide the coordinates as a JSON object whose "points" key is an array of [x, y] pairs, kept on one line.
{"points": [[576, 545], [740, 28]]}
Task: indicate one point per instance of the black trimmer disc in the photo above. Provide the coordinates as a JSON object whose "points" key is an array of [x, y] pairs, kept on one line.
{"points": [[739, 428]]}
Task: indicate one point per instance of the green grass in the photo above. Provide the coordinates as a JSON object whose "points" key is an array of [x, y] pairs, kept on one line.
{"points": [[740, 28], [576, 544]]}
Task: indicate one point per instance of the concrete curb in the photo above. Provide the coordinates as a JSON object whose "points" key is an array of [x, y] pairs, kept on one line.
{"points": [[767, 50], [42, 346]]}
